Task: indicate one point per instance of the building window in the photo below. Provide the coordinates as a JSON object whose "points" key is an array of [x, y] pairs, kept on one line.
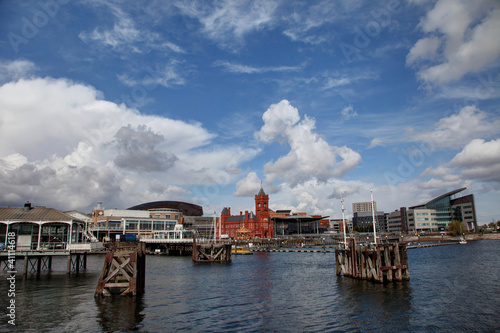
{"points": [[131, 225]]}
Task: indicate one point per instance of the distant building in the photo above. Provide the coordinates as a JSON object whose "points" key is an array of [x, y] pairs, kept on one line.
{"points": [[362, 207], [365, 219], [249, 225], [337, 225], [397, 221], [436, 214]]}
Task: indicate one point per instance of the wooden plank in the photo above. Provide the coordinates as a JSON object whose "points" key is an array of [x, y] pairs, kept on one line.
{"points": [[387, 259], [117, 285], [378, 264], [397, 262]]}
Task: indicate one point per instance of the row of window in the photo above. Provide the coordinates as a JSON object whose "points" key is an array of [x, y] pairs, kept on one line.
{"points": [[149, 225]]}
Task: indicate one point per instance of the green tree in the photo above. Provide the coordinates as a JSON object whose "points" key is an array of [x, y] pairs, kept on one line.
{"points": [[454, 227]]}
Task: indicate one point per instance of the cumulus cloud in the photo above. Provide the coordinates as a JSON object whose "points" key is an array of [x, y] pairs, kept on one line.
{"points": [[343, 191], [310, 155], [248, 186], [480, 160], [89, 149], [137, 150], [461, 37], [458, 129]]}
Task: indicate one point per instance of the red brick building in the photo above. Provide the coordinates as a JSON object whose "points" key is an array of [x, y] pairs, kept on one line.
{"points": [[249, 225]]}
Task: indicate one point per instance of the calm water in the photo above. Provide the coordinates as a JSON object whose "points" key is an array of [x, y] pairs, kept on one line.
{"points": [[452, 288]]}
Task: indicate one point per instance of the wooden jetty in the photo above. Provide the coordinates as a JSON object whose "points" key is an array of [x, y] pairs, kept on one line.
{"points": [[211, 251], [34, 262], [124, 270], [379, 262]]}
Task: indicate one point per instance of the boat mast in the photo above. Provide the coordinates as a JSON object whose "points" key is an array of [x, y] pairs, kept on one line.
{"points": [[214, 226], [343, 223], [373, 217], [220, 225]]}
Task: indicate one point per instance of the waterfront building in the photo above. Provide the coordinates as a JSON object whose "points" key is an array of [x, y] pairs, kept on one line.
{"points": [[249, 225], [41, 228], [149, 220], [284, 213], [363, 207], [204, 225], [436, 214]]}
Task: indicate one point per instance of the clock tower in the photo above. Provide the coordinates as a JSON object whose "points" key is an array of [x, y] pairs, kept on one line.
{"points": [[265, 227]]}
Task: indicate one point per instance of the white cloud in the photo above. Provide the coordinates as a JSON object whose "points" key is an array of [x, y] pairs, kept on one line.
{"points": [[458, 129], [348, 112], [228, 22], [463, 37], [424, 49], [344, 191], [244, 69], [126, 35], [445, 181], [305, 22], [278, 119], [310, 155], [15, 70], [248, 186], [480, 160], [89, 149], [376, 142], [167, 75]]}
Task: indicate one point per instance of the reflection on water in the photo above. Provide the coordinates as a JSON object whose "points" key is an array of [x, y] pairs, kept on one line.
{"points": [[120, 313], [452, 288]]}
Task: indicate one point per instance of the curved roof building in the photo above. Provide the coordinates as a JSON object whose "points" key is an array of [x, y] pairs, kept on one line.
{"points": [[187, 209]]}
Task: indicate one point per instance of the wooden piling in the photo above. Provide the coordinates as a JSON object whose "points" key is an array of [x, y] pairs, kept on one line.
{"points": [[211, 252], [381, 262], [123, 272]]}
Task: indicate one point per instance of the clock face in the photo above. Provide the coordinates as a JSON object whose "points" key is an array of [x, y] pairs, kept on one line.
{"points": [[100, 213]]}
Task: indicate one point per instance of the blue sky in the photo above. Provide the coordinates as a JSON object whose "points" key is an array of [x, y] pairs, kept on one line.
{"points": [[126, 102]]}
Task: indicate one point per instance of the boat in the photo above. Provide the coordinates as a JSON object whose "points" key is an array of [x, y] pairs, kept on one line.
{"points": [[242, 250], [462, 238]]}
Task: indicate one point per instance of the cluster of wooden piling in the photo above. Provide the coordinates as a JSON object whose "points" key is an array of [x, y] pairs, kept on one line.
{"points": [[379, 263], [124, 270], [211, 252]]}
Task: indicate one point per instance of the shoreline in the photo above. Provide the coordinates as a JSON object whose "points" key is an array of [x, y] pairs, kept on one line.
{"points": [[434, 238]]}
